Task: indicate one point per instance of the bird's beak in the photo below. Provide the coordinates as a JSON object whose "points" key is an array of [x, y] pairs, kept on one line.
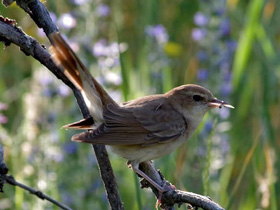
{"points": [[218, 103]]}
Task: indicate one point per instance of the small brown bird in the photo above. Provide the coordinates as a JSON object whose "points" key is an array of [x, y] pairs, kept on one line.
{"points": [[139, 130]]}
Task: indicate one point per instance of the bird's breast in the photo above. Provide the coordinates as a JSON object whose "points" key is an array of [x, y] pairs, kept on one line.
{"points": [[139, 153]]}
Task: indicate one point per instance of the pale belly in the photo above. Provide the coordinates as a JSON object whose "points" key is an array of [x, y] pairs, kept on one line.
{"points": [[138, 154]]}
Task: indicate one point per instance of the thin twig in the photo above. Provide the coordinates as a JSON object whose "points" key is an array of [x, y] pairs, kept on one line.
{"points": [[39, 194]]}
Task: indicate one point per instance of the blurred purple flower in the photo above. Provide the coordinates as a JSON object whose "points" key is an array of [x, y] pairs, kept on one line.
{"points": [[200, 19], [63, 90], [100, 48], [80, 2], [232, 45], [70, 148], [224, 144], [224, 113], [202, 55], [103, 10], [198, 34], [66, 21], [108, 54], [202, 74], [208, 126], [57, 157], [224, 28], [158, 32], [47, 92], [67, 198], [45, 80], [113, 49], [3, 106], [227, 76], [224, 64], [226, 89], [3, 119], [41, 32], [53, 17]]}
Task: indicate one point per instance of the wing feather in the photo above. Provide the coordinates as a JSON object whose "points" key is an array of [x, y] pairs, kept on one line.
{"points": [[133, 126]]}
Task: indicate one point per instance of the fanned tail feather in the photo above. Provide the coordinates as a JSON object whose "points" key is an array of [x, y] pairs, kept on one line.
{"points": [[94, 95]]}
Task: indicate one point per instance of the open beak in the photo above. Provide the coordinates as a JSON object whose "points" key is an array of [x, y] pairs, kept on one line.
{"points": [[218, 103]]}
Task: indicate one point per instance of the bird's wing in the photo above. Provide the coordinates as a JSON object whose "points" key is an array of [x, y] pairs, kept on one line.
{"points": [[93, 93], [136, 126]]}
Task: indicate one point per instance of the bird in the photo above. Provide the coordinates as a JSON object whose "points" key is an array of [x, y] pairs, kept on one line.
{"points": [[139, 130]]}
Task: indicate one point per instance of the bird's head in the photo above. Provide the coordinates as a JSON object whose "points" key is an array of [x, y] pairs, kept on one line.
{"points": [[194, 101]]}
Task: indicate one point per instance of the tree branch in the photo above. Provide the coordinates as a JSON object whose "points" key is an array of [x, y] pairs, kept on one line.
{"points": [[170, 198]]}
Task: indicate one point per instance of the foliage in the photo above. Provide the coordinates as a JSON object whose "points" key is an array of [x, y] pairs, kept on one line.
{"points": [[135, 48]]}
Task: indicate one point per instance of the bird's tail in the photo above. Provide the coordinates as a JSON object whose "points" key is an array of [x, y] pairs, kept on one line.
{"points": [[94, 95]]}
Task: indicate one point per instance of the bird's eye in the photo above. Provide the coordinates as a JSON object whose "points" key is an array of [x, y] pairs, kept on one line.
{"points": [[197, 98]]}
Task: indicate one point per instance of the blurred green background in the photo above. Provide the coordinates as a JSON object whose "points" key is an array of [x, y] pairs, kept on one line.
{"points": [[140, 47]]}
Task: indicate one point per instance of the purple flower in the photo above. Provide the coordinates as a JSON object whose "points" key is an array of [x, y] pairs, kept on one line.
{"points": [[100, 48], [45, 79], [225, 27], [231, 44], [208, 126], [224, 144], [55, 156], [41, 32], [103, 10], [202, 74], [3, 106], [200, 19], [227, 76], [70, 147], [108, 54], [3, 119], [67, 21], [224, 113], [67, 198], [226, 89], [47, 92], [63, 90], [202, 55], [80, 2], [158, 32], [198, 34], [53, 17]]}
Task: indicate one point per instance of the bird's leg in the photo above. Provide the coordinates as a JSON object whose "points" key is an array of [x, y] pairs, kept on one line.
{"points": [[152, 182], [161, 190]]}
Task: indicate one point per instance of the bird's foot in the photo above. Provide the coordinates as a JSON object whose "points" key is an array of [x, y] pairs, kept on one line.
{"points": [[165, 188]]}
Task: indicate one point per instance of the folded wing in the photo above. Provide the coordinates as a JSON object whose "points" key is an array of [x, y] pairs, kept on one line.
{"points": [[146, 124]]}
